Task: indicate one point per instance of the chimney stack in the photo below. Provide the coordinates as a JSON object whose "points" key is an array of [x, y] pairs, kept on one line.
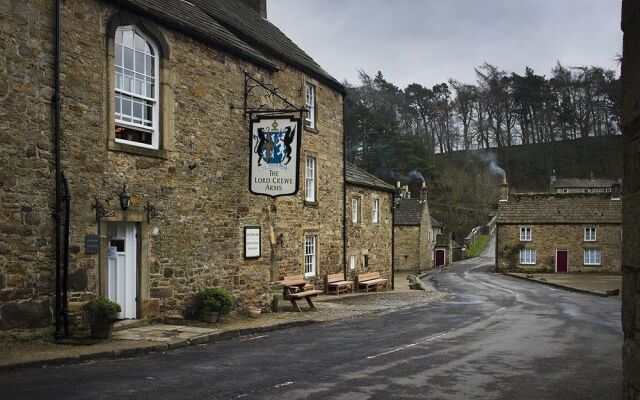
{"points": [[260, 6], [504, 190], [423, 191]]}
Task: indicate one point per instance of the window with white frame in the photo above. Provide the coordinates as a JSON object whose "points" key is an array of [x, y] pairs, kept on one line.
{"points": [[352, 262], [527, 256], [310, 104], [136, 88], [310, 180], [310, 242], [592, 257], [355, 210], [525, 234], [365, 262], [590, 234], [375, 211]]}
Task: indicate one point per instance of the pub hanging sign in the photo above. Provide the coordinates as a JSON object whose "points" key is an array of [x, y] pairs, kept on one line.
{"points": [[275, 149]]}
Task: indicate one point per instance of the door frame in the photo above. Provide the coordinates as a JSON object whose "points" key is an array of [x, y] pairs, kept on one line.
{"points": [[556, 260], [129, 229], [142, 266]]}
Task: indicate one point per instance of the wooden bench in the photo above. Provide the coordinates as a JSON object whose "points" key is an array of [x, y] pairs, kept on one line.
{"points": [[335, 283], [295, 287], [371, 279]]}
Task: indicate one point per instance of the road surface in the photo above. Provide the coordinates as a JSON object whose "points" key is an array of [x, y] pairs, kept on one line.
{"points": [[495, 338]]}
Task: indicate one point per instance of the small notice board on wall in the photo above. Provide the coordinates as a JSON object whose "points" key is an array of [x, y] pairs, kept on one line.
{"points": [[252, 242]]}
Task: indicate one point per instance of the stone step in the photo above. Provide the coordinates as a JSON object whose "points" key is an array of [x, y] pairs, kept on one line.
{"points": [[129, 323]]}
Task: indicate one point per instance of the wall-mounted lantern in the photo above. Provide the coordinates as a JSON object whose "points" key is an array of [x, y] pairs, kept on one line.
{"points": [[125, 197]]}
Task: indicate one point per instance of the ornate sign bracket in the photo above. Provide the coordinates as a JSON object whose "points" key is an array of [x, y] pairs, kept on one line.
{"points": [[263, 98]]}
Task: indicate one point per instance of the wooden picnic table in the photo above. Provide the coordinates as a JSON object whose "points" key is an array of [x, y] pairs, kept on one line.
{"points": [[294, 290]]}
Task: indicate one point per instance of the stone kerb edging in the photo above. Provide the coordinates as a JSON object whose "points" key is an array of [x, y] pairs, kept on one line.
{"points": [[557, 285]]}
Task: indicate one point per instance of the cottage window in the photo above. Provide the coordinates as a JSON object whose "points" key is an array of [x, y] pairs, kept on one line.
{"points": [[310, 255], [365, 261], [589, 234], [592, 257], [565, 190], [352, 262], [310, 104], [310, 180], [375, 211], [355, 210], [136, 88], [525, 234], [527, 256]]}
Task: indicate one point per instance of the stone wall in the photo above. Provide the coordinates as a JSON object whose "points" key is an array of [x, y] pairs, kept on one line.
{"points": [[368, 238], [407, 243], [631, 205], [198, 186], [547, 238]]}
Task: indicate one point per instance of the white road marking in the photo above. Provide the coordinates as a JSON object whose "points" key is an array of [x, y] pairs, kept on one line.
{"points": [[253, 338], [279, 385], [409, 345], [498, 310]]}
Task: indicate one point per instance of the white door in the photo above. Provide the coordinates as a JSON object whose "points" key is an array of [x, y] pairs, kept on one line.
{"points": [[122, 264]]}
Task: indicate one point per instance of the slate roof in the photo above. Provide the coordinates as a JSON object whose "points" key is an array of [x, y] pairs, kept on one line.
{"points": [[583, 183], [408, 212], [234, 27], [436, 224], [552, 208], [360, 177], [442, 240]]}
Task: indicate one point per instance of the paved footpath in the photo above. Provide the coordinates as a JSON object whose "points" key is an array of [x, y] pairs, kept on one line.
{"points": [[497, 338]]}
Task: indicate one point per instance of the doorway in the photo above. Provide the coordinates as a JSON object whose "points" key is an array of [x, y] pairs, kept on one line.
{"points": [[562, 261], [440, 256], [122, 267]]}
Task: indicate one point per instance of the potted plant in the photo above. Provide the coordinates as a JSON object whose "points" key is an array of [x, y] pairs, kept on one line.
{"points": [[254, 312], [213, 303], [102, 314]]}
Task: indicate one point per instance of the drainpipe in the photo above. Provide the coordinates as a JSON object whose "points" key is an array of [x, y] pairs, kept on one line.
{"points": [[344, 187], [393, 240], [65, 269], [57, 100]]}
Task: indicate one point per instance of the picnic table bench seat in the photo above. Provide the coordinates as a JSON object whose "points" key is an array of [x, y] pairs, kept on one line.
{"points": [[371, 280], [295, 287], [336, 284]]}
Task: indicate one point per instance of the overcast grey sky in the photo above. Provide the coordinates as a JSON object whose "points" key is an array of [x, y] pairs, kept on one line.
{"points": [[429, 41]]}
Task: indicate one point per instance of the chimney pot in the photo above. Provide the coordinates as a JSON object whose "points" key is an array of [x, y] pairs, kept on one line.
{"points": [[398, 184]]}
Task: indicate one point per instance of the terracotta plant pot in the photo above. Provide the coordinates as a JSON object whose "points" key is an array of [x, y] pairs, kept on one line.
{"points": [[210, 317], [254, 312], [102, 331]]}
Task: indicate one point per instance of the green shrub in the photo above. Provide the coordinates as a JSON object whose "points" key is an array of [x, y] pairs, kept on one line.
{"points": [[215, 300], [103, 311]]}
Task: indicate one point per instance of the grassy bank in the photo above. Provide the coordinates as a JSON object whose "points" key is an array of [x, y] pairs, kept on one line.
{"points": [[478, 246]]}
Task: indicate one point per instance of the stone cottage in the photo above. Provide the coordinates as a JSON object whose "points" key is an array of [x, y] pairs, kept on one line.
{"points": [[370, 224], [413, 234], [631, 213], [154, 144], [592, 184], [552, 232]]}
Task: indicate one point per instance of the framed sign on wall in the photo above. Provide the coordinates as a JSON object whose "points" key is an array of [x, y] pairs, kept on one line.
{"points": [[274, 161], [252, 242]]}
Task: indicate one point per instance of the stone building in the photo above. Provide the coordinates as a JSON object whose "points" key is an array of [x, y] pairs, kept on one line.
{"points": [[631, 210], [551, 232], [153, 96], [583, 185], [370, 224], [413, 234]]}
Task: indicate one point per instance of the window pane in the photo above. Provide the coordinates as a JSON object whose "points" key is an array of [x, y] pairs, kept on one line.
{"points": [[119, 36], [118, 50], [139, 66], [149, 66], [128, 58], [127, 38], [139, 43]]}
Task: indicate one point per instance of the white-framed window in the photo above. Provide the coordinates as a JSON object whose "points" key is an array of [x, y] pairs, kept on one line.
{"points": [[527, 256], [310, 242], [565, 190], [592, 257], [365, 262], [310, 180], [355, 210], [310, 104], [136, 88], [608, 190], [375, 211], [352, 262], [590, 234], [525, 234]]}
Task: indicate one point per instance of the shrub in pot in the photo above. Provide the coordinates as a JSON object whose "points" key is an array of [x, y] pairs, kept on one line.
{"points": [[213, 303], [102, 314]]}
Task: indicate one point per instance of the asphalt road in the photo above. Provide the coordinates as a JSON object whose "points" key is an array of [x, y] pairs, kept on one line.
{"points": [[496, 338]]}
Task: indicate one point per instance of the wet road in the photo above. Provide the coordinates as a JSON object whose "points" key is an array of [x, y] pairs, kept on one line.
{"points": [[496, 338]]}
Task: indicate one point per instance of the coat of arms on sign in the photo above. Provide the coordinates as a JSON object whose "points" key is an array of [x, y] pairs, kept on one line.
{"points": [[275, 144]]}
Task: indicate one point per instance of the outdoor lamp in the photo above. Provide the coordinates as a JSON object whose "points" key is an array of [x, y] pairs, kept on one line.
{"points": [[125, 197]]}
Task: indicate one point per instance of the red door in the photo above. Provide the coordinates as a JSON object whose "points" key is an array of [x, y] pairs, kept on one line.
{"points": [[562, 261], [439, 258]]}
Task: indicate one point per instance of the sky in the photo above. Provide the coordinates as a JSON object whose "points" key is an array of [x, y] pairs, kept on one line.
{"points": [[430, 41]]}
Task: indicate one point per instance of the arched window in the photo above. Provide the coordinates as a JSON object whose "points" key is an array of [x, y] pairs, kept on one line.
{"points": [[136, 88]]}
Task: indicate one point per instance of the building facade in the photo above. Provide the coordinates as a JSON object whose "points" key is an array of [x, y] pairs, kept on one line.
{"points": [[631, 213], [369, 224], [550, 232], [413, 234], [583, 185], [153, 99]]}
